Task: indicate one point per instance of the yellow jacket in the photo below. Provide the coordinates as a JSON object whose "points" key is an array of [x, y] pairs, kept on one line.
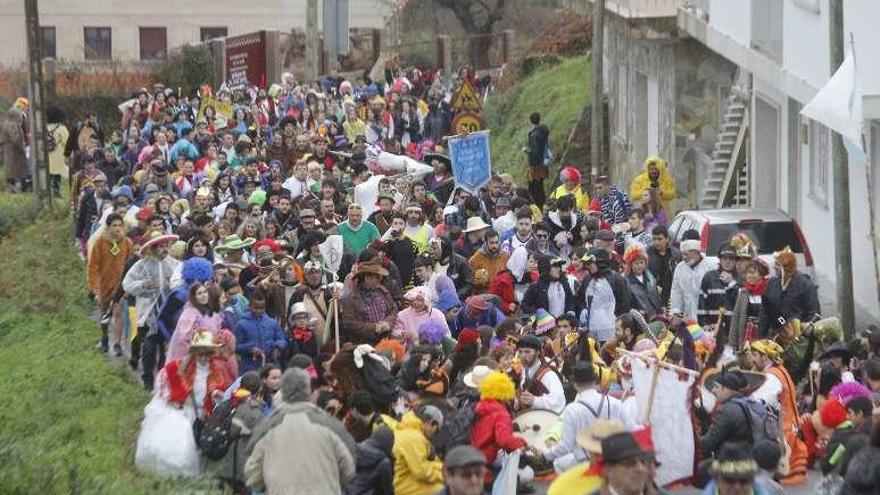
{"points": [[575, 481], [414, 472], [581, 198], [642, 183]]}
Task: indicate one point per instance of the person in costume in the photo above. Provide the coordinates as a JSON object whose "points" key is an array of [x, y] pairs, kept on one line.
{"points": [[570, 179], [492, 430], [540, 386], [149, 281], [589, 406], [779, 391], [186, 389], [656, 180], [105, 268]]}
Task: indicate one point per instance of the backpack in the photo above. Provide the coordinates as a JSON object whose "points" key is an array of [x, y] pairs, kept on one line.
{"points": [[548, 154], [455, 430], [51, 143], [380, 383], [215, 436], [763, 421]]}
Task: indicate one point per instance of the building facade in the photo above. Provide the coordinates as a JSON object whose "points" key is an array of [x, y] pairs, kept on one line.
{"points": [[747, 65], [97, 31]]}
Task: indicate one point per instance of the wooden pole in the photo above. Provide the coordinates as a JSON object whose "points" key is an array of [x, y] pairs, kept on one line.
{"points": [[840, 167], [598, 119], [335, 305], [39, 158]]}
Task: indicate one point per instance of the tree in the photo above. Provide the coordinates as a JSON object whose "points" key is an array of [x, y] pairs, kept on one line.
{"points": [[477, 17]]}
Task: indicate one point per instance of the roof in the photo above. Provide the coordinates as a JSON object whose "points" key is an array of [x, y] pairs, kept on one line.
{"points": [[736, 215]]}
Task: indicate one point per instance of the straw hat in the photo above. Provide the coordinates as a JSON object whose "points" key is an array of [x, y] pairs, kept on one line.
{"points": [[474, 224], [203, 340], [591, 438], [233, 242]]}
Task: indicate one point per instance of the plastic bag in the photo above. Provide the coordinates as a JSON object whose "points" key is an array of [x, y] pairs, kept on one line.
{"points": [[505, 483], [166, 445]]}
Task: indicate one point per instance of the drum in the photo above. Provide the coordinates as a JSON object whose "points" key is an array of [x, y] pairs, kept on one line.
{"points": [[540, 428]]}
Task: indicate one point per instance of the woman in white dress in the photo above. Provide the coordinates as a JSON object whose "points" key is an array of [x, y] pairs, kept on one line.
{"points": [[186, 388]]}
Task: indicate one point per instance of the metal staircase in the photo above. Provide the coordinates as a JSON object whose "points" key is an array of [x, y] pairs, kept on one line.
{"points": [[727, 183]]}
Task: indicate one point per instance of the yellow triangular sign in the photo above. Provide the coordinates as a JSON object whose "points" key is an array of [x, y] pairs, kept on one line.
{"points": [[465, 98]]}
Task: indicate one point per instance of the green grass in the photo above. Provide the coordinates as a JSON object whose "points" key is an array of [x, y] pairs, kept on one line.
{"points": [[70, 419], [559, 92]]}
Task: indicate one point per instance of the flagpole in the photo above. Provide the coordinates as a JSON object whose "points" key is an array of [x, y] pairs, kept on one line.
{"points": [[840, 175]]}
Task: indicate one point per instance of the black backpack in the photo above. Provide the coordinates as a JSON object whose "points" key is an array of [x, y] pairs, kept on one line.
{"points": [[380, 383], [455, 430], [763, 421], [215, 436]]}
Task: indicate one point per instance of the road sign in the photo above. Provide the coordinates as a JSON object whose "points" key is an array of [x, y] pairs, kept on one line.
{"points": [[467, 123], [465, 98]]}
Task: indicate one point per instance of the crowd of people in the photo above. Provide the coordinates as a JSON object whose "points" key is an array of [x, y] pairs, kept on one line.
{"points": [[313, 319]]}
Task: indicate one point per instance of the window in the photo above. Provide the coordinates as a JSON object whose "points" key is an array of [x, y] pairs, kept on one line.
{"points": [[767, 25], [47, 41], [154, 43], [820, 159], [209, 33], [97, 43]]}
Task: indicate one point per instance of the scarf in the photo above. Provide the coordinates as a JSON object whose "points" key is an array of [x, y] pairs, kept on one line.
{"points": [[757, 288]]}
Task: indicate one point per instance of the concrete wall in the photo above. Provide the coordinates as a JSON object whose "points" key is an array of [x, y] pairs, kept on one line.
{"points": [[638, 70], [183, 21], [803, 70]]}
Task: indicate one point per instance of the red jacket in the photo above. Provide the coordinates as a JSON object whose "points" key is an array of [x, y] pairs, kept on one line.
{"points": [[503, 286], [493, 430]]}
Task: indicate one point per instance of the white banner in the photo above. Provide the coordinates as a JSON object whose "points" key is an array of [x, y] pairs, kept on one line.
{"points": [[670, 418]]}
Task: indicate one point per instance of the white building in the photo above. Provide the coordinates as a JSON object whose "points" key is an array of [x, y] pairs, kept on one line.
{"points": [[780, 51], [101, 30]]}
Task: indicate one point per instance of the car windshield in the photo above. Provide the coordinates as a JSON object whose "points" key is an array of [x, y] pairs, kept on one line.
{"points": [[769, 236]]}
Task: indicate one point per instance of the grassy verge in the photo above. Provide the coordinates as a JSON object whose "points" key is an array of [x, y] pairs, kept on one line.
{"points": [[558, 92], [70, 419]]}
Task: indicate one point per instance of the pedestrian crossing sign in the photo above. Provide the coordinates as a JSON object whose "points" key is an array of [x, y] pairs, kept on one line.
{"points": [[465, 98]]}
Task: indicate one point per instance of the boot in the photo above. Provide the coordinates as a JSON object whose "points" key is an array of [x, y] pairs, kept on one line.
{"points": [[105, 339]]}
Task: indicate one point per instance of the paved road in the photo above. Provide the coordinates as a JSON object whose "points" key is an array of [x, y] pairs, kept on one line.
{"points": [[807, 488]]}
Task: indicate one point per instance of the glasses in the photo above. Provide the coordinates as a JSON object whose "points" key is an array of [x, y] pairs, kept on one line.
{"points": [[542, 236]]}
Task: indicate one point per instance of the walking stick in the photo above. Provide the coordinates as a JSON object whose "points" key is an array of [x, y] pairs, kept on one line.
{"points": [[335, 304]]}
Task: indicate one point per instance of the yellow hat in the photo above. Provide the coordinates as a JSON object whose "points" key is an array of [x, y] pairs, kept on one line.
{"points": [[21, 103], [497, 386], [768, 348]]}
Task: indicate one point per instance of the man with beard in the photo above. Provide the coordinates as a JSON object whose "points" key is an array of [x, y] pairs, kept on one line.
{"points": [[416, 228], [319, 152], [287, 221], [316, 296], [400, 248], [382, 217], [521, 234], [306, 226], [488, 261], [356, 232], [111, 166], [539, 385]]}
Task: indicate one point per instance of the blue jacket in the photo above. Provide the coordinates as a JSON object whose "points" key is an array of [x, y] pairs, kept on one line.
{"points": [[170, 311], [251, 332]]}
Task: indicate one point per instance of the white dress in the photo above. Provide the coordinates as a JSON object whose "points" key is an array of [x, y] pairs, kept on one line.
{"points": [[166, 445]]}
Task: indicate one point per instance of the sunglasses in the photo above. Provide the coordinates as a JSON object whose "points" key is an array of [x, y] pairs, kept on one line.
{"points": [[542, 236]]}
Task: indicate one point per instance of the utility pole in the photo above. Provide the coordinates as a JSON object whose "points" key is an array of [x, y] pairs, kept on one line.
{"points": [[840, 164], [598, 119], [311, 41], [39, 158]]}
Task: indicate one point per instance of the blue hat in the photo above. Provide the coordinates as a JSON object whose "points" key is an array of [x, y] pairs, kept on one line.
{"points": [[123, 191], [447, 300]]}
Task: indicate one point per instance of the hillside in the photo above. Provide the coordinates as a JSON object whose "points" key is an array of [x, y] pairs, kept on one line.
{"points": [[70, 419], [559, 92]]}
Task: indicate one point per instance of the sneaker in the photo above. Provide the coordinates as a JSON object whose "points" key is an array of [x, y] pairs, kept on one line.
{"points": [[117, 350]]}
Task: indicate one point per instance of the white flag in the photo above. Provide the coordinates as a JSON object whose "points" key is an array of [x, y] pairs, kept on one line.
{"points": [[838, 105]]}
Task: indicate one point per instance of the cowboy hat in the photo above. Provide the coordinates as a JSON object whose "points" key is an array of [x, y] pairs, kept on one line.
{"points": [[157, 239], [233, 242], [371, 267], [735, 379], [475, 377], [474, 224], [591, 438], [430, 157]]}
